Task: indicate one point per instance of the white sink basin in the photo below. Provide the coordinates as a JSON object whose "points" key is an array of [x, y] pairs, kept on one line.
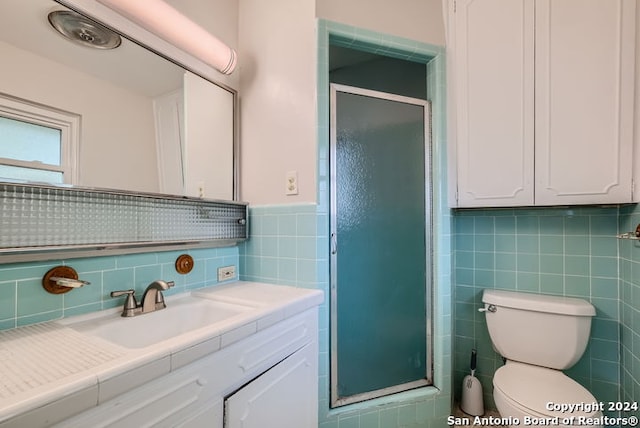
{"points": [[180, 316]]}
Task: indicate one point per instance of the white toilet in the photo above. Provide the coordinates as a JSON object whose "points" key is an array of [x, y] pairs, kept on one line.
{"points": [[539, 336]]}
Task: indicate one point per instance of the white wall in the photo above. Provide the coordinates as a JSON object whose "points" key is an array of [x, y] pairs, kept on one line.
{"points": [[112, 118], [277, 48], [419, 20], [276, 79]]}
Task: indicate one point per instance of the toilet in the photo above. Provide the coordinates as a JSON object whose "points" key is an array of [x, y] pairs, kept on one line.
{"points": [[539, 336]]}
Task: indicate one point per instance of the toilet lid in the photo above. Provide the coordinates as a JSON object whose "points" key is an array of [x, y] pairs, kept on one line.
{"points": [[534, 387]]}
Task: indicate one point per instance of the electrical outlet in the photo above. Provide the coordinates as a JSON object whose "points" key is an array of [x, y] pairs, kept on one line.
{"points": [[292, 183], [226, 273]]}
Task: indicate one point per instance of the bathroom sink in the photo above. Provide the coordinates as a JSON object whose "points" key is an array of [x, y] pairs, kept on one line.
{"points": [[181, 316]]}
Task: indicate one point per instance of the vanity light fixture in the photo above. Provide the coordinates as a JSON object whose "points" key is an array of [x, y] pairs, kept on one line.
{"points": [[169, 24]]}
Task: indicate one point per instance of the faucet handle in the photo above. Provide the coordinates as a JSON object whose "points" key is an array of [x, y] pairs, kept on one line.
{"points": [[122, 293], [130, 303]]}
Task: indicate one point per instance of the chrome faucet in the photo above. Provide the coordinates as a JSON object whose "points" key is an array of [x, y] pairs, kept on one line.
{"points": [[152, 299]]}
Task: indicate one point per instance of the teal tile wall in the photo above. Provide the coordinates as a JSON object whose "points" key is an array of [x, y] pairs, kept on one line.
{"points": [[282, 248], [23, 301], [416, 408], [286, 244], [568, 252], [630, 308], [289, 245]]}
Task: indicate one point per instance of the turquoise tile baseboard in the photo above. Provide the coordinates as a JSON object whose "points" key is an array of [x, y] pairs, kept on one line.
{"points": [[560, 251], [23, 301]]}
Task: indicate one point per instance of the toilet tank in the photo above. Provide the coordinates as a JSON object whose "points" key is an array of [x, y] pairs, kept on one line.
{"points": [[548, 331]]}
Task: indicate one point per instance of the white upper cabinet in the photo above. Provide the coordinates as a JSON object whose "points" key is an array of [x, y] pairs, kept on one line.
{"points": [[584, 101], [494, 104], [543, 94]]}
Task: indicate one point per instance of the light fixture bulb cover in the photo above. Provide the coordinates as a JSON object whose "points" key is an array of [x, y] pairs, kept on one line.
{"points": [[172, 26]]}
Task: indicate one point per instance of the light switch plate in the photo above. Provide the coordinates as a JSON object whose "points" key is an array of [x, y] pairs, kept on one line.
{"points": [[292, 183]]}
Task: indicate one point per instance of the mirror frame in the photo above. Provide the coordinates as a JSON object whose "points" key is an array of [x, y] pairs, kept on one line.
{"points": [[147, 40]]}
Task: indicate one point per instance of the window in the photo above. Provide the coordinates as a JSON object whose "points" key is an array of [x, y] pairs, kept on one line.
{"points": [[37, 143]]}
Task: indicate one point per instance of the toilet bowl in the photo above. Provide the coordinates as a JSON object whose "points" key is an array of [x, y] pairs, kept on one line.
{"points": [[539, 336], [524, 391]]}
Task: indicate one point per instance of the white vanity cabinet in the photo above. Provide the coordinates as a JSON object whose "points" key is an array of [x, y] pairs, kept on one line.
{"points": [[542, 101], [267, 380], [279, 398]]}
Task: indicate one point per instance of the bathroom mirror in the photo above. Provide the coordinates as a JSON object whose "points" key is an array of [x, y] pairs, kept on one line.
{"points": [[144, 124]]}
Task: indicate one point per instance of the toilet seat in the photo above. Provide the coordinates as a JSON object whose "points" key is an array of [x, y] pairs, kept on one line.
{"points": [[533, 387]]}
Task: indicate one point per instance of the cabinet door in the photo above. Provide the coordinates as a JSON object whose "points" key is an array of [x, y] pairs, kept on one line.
{"points": [[493, 50], [283, 397], [584, 101]]}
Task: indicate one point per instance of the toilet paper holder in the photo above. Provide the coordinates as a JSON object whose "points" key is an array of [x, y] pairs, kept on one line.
{"points": [[635, 235], [62, 279]]}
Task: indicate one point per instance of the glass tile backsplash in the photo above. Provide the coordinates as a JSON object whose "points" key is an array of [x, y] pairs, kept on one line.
{"points": [[43, 216]]}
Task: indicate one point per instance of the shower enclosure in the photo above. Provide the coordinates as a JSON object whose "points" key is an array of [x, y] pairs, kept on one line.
{"points": [[380, 244]]}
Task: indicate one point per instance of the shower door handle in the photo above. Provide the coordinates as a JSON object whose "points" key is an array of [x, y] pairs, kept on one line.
{"points": [[334, 244]]}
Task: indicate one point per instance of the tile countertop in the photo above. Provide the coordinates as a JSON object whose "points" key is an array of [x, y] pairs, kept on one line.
{"points": [[54, 368]]}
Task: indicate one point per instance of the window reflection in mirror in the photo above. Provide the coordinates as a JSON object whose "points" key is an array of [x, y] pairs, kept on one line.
{"points": [[37, 144], [129, 137]]}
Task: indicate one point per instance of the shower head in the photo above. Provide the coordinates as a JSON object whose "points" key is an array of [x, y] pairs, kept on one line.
{"points": [[82, 30]]}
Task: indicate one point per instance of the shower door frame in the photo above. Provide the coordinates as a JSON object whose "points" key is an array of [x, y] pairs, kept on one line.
{"points": [[335, 400]]}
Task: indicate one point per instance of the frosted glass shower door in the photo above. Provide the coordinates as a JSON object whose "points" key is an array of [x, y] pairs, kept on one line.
{"points": [[380, 244]]}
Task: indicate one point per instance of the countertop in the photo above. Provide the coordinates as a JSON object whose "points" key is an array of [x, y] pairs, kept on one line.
{"points": [[53, 367]]}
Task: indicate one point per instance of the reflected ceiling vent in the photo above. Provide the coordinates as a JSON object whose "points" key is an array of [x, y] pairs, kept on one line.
{"points": [[82, 30]]}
